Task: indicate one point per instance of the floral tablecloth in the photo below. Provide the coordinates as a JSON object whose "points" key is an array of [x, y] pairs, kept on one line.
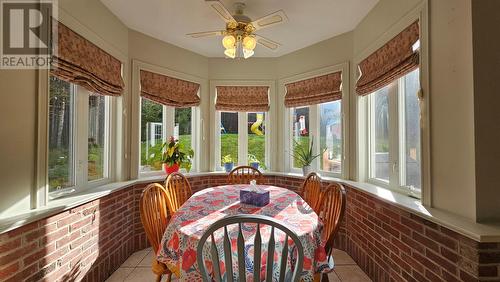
{"points": [[179, 243]]}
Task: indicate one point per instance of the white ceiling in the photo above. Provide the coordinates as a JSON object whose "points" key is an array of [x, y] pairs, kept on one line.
{"points": [[308, 21]]}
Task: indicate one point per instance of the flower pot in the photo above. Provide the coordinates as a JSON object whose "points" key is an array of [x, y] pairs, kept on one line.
{"points": [[306, 170], [171, 169], [254, 165], [228, 166]]}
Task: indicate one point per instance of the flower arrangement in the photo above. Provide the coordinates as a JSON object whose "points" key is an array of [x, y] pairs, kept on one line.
{"points": [[175, 156], [228, 163]]}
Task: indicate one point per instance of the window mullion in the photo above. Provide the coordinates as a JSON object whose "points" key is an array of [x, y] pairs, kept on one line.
{"points": [[242, 138], [401, 133], [314, 127], [393, 136], [81, 138]]}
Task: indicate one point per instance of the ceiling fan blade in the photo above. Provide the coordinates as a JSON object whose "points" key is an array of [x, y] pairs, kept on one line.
{"points": [[221, 10], [206, 33], [268, 43], [270, 20]]}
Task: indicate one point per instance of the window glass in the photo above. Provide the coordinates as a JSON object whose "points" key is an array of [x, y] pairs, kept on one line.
{"points": [[331, 136], [380, 157], [229, 135], [97, 134], [412, 130], [151, 135], [256, 138], [61, 147], [182, 129], [300, 119]]}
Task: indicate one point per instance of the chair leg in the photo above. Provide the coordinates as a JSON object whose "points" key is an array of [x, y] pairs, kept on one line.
{"points": [[158, 277], [169, 277]]}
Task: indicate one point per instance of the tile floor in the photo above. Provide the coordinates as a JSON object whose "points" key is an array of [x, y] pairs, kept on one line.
{"points": [[137, 269]]}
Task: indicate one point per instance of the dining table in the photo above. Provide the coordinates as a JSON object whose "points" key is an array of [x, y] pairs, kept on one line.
{"points": [[179, 243]]}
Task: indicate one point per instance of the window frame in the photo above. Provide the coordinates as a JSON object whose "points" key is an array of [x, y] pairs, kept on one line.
{"points": [[271, 135], [197, 128], [397, 138], [168, 125], [314, 122], [80, 145]]}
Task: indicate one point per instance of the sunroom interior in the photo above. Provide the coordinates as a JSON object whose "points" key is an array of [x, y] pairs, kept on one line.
{"points": [[141, 136]]}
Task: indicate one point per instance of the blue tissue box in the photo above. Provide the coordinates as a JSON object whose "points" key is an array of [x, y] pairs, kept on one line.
{"points": [[254, 198]]}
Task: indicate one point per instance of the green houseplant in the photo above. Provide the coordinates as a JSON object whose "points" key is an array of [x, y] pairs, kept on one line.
{"points": [[227, 160], [304, 156], [175, 156]]}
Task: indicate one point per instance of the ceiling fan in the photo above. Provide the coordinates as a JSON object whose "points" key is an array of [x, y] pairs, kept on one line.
{"points": [[239, 38]]}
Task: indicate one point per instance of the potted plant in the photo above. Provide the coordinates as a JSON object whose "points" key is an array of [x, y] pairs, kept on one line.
{"points": [[253, 161], [304, 155], [228, 163], [175, 156]]}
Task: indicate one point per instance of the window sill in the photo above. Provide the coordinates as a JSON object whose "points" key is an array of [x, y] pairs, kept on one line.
{"points": [[487, 232]]}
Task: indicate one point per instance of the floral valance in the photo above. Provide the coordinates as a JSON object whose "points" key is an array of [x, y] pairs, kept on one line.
{"points": [[79, 61], [168, 90], [390, 62], [242, 98], [316, 90]]}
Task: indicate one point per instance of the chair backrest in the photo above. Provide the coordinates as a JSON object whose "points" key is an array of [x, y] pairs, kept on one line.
{"points": [[178, 191], [311, 190], [243, 175], [259, 220], [332, 207], [154, 214]]}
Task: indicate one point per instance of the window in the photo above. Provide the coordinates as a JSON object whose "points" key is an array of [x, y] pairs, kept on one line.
{"points": [[242, 136], [159, 122], [323, 124], [151, 135], [79, 137], [300, 118], [394, 135], [229, 135], [257, 138], [331, 136]]}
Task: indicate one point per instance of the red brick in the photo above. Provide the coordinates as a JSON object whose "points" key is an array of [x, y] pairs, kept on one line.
{"points": [[18, 253], [449, 255], [452, 268], [488, 271], [489, 257], [10, 245], [442, 239], [9, 270], [426, 241], [466, 277], [412, 224]]}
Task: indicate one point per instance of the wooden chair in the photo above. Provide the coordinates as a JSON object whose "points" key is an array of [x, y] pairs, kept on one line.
{"points": [[241, 219], [178, 191], [243, 175], [154, 217], [332, 207], [311, 191]]}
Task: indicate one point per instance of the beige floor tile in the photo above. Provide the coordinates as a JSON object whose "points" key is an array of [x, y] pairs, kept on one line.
{"points": [[351, 273], [135, 258], [147, 260], [120, 274], [143, 275], [342, 258], [332, 277]]}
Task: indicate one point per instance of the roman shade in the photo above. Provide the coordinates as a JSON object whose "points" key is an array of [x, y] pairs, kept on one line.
{"points": [[169, 91], [242, 98], [316, 90], [79, 61], [390, 62]]}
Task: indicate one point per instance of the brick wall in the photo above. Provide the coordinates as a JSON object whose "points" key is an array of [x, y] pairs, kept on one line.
{"points": [[89, 242]]}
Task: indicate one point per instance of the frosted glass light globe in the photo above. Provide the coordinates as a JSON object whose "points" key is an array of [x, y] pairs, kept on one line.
{"points": [[228, 41], [249, 42]]}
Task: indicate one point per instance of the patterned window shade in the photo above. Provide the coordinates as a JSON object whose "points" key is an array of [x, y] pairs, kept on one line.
{"points": [[242, 98], [392, 61], [79, 61], [169, 91], [316, 90]]}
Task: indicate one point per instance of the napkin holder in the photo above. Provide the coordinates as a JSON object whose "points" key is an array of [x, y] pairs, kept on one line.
{"points": [[254, 196]]}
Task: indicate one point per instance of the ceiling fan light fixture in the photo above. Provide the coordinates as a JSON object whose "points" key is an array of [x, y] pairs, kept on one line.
{"points": [[230, 52], [247, 53], [249, 42], [228, 41]]}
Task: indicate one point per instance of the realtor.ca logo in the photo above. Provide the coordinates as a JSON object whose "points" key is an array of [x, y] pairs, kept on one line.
{"points": [[27, 33]]}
